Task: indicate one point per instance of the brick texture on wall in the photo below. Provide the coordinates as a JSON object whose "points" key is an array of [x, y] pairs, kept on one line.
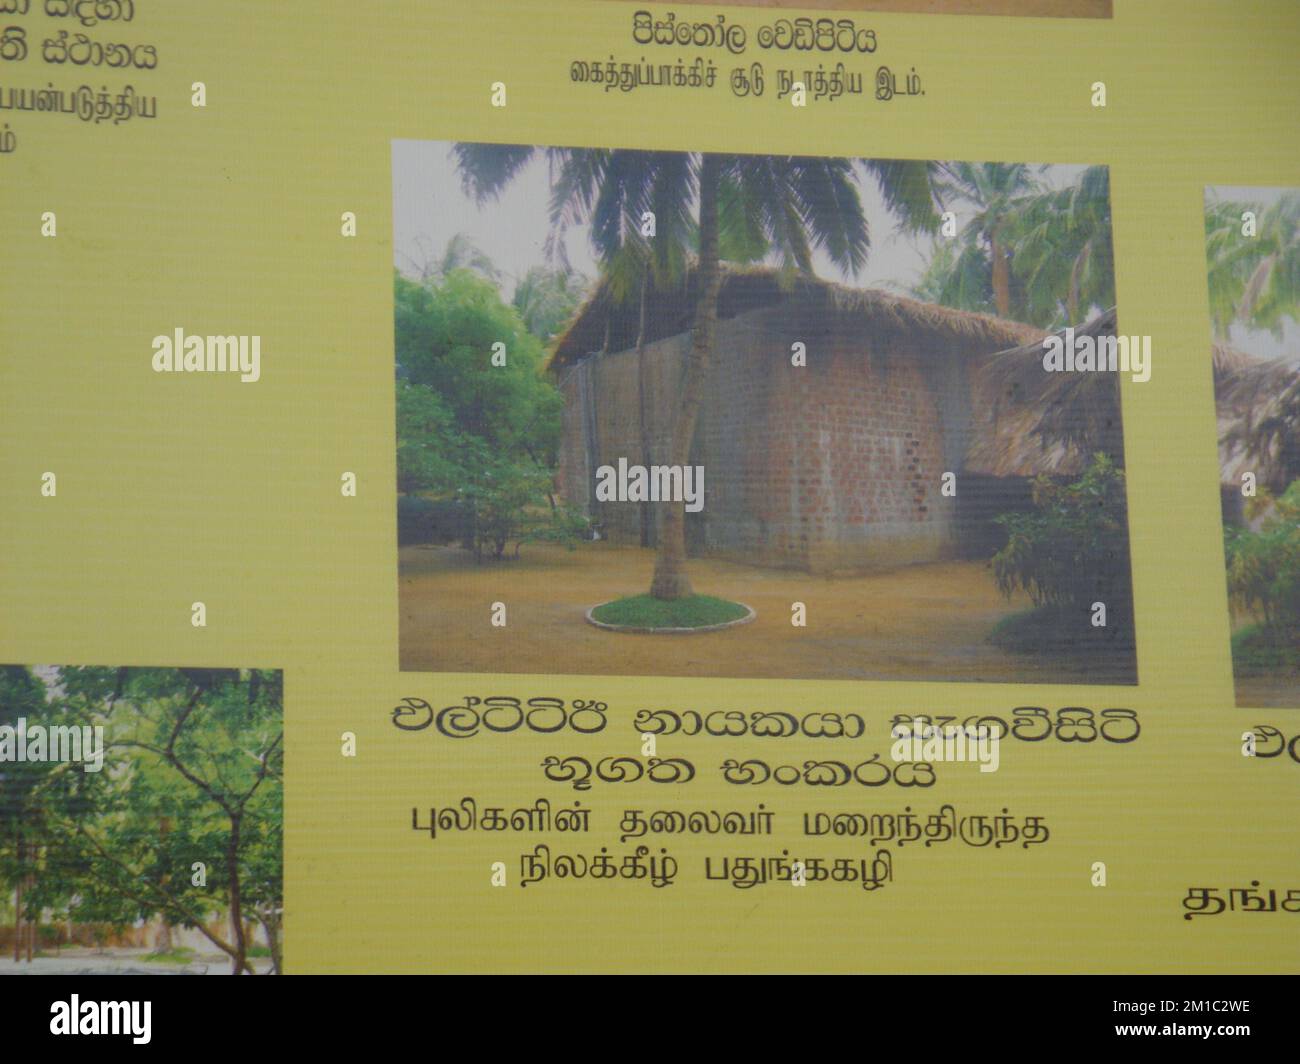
{"points": [[832, 466]]}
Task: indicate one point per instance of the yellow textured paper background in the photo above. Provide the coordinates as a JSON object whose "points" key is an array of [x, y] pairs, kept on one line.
{"points": [[177, 488]]}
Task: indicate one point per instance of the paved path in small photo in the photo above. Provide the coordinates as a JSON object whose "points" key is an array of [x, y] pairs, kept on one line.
{"points": [[920, 622], [78, 961]]}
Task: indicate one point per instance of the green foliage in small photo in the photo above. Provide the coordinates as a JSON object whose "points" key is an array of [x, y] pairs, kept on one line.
{"points": [[181, 828], [1264, 582]]}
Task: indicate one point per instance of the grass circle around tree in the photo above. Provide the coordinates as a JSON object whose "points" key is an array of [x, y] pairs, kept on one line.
{"points": [[647, 614]]}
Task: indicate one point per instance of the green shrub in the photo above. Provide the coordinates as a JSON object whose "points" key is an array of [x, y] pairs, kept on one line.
{"points": [[511, 502], [1071, 549], [1264, 563], [421, 520]]}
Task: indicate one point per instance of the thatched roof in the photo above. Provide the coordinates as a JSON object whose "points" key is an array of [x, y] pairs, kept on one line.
{"points": [[1257, 401], [1027, 420], [1228, 360], [606, 325]]}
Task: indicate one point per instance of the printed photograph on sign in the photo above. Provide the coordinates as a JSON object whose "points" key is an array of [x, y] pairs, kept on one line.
{"points": [[676, 414], [1252, 242], [141, 820]]}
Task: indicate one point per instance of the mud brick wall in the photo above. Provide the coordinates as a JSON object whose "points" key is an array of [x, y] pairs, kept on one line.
{"points": [[602, 423], [835, 466]]}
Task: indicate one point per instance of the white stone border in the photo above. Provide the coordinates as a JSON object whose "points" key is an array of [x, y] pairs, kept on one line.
{"points": [[750, 614]]}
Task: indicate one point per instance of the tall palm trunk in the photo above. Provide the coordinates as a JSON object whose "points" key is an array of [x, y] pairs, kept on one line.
{"points": [[1001, 278], [670, 579], [642, 372]]}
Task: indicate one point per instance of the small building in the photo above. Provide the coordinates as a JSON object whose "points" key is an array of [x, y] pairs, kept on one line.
{"points": [[833, 465]]}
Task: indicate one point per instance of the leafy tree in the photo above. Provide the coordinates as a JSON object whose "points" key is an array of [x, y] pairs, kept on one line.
{"points": [[22, 827], [428, 444], [192, 773], [445, 337], [479, 435], [714, 205], [263, 869]]}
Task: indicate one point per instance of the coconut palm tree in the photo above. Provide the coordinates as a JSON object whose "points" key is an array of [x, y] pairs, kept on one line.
{"points": [[1064, 256], [1254, 279], [1230, 260], [459, 253], [648, 210], [989, 189], [1042, 256], [547, 298]]}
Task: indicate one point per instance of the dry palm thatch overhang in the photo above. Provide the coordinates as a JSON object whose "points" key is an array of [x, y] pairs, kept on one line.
{"points": [[1031, 420], [1257, 402]]}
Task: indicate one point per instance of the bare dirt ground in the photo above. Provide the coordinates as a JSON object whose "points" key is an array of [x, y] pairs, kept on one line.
{"points": [[921, 622]]}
